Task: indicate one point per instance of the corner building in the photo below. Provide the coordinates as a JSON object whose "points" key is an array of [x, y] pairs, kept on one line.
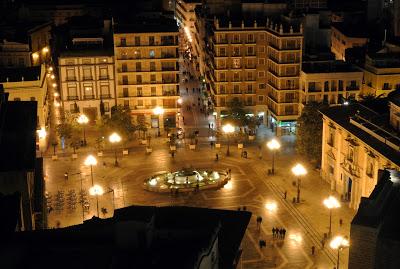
{"points": [[147, 70], [254, 61]]}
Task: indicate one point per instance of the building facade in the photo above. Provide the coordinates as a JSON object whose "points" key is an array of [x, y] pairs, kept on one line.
{"points": [[28, 84], [354, 148], [330, 82], [147, 71], [381, 73], [14, 54], [344, 37], [86, 80]]}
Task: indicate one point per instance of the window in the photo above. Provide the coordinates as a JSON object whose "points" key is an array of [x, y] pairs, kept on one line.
{"points": [[125, 92], [153, 102], [138, 79], [126, 103], [289, 97], [331, 138], [261, 49], [236, 51], [222, 52], [250, 76], [152, 54], [290, 84], [123, 42], [222, 89], [222, 101], [222, 76], [386, 86], [250, 38], [152, 66], [340, 85], [104, 91], [153, 91], [326, 86], [72, 92], [125, 80], [350, 154], [153, 78], [236, 88], [250, 51], [370, 168], [137, 40], [249, 100], [261, 61], [249, 88], [151, 41], [236, 63], [236, 76], [261, 86], [87, 73], [124, 67], [103, 72], [140, 102], [70, 74], [138, 66], [139, 91], [260, 98], [236, 38], [261, 74], [33, 99], [88, 92]]}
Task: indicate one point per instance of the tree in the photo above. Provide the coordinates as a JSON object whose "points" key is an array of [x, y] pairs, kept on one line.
{"points": [[120, 122], [68, 127], [236, 113], [309, 132]]}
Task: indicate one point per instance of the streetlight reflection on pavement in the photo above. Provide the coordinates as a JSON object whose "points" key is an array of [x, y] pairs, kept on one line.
{"points": [[96, 190], [296, 238], [228, 185], [271, 206]]}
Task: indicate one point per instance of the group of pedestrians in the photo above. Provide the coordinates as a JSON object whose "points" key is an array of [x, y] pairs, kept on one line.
{"points": [[279, 233]]}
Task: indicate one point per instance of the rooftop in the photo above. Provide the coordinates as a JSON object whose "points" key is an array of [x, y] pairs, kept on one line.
{"points": [[351, 30], [380, 209], [16, 74], [369, 126], [136, 237], [147, 25], [328, 67], [17, 135]]}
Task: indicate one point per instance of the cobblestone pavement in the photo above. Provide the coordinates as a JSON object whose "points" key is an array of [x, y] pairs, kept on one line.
{"points": [[250, 186]]}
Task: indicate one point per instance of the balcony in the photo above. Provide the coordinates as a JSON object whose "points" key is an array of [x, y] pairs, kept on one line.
{"points": [[236, 41], [250, 66], [251, 54], [87, 78], [314, 89], [105, 96], [70, 79], [274, 46], [72, 97], [105, 77], [169, 93], [88, 96], [168, 68]]}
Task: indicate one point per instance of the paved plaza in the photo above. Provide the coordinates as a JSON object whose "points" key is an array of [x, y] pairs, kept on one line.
{"points": [[250, 186]]}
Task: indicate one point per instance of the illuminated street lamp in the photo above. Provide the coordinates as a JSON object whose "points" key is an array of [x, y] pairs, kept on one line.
{"points": [[35, 56], [339, 243], [180, 101], [228, 129], [331, 202], [45, 50], [158, 111], [273, 145], [91, 161], [298, 170], [83, 120], [97, 191], [115, 138], [50, 69], [42, 133], [54, 85], [52, 76]]}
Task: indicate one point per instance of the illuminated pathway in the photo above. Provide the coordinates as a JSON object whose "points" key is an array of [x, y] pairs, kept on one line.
{"points": [[305, 222]]}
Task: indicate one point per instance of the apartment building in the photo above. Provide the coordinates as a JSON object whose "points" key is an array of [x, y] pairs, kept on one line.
{"points": [[257, 62], [14, 54], [28, 84], [309, 4], [86, 79], [147, 70], [344, 36], [185, 15], [329, 82], [357, 142], [381, 73], [284, 50]]}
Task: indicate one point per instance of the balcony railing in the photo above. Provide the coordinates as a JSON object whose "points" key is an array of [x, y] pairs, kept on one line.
{"points": [[72, 97], [88, 96], [168, 68], [70, 79], [169, 93], [105, 96], [88, 78], [104, 77]]}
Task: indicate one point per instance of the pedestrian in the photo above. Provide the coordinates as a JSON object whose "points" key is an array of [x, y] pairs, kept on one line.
{"points": [[244, 208], [216, 156], [284, 232], [209, 126], [312, 250], [340, 222], [187, 90], [284, 195], [259, 220], [183, 118], [273, 232], [212, 125], [198, 99], [323, 243], [281, 233]]}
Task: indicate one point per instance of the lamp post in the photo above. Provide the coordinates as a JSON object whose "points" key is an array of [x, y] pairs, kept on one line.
{"points": [[273, 145], [339, 243], [115, 138], [228, 129], [83, 120], [331, 202], [90, 161], [158, 111], [96, 190], [298, 170]]}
